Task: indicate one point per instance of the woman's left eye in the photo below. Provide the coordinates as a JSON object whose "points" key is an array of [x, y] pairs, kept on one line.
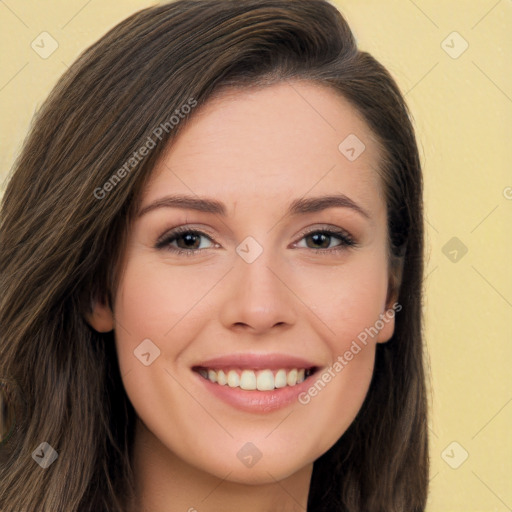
{"points": [[324, 238], [188, 241]]}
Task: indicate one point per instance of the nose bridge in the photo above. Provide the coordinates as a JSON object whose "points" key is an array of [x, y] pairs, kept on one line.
{"points": [[258, 297], [259, 280], [259, 284]]}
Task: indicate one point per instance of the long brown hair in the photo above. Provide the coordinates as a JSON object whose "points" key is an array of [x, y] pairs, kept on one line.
{"points": [[63, 229]]}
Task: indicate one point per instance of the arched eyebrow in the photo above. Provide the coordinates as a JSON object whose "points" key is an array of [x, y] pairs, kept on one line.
{"points": [[297, 207]]}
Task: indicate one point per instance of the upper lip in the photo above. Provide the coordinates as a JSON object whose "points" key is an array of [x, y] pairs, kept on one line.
{"points": [[256, 362]]}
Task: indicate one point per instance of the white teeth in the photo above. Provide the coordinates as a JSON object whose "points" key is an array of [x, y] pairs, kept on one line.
{"points": [[233, 379], [291, 379], [262, 380], [221, 378], [265, 380], [248, 380], [280, 379]]}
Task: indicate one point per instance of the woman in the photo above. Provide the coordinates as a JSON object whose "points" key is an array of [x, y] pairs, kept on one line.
{"points": [[164, 375]]}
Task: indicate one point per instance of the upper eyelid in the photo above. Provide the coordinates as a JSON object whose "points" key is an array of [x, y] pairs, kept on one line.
{"points": [[183, 229], [201, 229]]}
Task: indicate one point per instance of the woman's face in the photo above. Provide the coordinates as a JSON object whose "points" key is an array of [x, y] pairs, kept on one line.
{"points": [[260, 295]]}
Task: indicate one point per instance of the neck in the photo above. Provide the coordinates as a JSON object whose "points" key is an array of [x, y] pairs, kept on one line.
{"points": [[166, 483]]}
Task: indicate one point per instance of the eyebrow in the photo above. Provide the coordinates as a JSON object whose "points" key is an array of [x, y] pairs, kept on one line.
{"points": [[296, 207]]}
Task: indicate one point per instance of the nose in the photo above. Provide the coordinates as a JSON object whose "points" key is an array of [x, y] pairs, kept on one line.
{"points": [[258, 298]]}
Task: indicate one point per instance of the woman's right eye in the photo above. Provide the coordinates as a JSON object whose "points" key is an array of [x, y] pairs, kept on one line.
{"points": [[183, 241]]}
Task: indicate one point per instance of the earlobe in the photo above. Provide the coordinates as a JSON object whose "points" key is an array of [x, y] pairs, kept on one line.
{"points": [[100, 317], [386, 322]]}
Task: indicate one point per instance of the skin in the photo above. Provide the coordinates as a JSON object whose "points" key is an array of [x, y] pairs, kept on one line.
{"points": [[254, 150]]}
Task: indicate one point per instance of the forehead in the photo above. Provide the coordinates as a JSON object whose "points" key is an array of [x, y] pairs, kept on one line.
{"points": [[273, 143]]}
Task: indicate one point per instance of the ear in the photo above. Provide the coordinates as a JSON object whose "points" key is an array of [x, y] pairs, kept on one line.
{"points": [[392, 305], [100, 316]]}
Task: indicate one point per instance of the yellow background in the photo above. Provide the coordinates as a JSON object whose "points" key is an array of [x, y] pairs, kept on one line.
{"points": [[463, 111]]}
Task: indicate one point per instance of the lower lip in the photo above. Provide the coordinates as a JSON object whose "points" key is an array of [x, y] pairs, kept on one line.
{"points": [[257, 401]]}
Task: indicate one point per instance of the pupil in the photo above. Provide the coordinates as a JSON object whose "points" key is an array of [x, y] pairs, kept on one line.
{"points": [[189, 239], [319, 237]]}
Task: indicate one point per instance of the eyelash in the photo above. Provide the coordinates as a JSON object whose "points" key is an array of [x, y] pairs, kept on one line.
{"points": [[164, 241]]}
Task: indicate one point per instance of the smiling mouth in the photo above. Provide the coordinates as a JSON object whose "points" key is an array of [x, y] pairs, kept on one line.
{"points": [[251, 380]]}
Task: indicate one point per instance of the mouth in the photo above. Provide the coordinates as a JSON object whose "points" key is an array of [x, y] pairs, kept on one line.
{"points": [[250, 380], [255, 383]]}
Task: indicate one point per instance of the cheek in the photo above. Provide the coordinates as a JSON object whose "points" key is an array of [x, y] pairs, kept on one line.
{"points": [[336, 395], [348, 307], [155, 301], [348, 299], [157, 313], [345, 380]]}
